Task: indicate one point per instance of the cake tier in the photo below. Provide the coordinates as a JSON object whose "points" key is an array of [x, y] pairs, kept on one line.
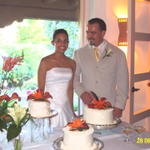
{"points": [[39, 109], [74, 140], [98, 116]]}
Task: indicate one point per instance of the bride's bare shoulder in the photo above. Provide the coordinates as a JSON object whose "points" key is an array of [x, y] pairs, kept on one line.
{"points": [[47, 62], [47, 58], [71, 63]]}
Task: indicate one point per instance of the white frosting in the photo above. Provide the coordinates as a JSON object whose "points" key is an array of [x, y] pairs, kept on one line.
{"points": [[39, 109], [75, 140], [98, 116]]}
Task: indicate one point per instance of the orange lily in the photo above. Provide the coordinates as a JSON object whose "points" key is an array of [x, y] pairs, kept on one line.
{"points": [[102, 103], [78, 123], [39, 95]]}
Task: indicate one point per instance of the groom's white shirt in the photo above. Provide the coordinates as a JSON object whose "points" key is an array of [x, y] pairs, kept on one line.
{"points": [[107, 78], [101, 47]]}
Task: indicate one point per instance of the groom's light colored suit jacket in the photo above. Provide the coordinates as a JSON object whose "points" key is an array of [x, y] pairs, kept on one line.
{"points": [[107, 78]]}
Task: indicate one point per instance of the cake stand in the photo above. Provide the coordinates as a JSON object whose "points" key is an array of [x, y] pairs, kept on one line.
{"points": [[52, 114], [114, 124], [58, 141], [41, 127]]}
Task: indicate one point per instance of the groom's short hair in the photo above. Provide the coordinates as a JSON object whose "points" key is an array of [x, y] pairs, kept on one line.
{"points": [[100, 22]]}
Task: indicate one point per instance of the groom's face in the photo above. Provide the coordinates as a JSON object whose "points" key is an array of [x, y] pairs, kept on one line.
{"points": [[94, 34]]}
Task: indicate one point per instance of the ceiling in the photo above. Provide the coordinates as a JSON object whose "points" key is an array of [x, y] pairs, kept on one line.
{"points": [[11, 10], [51, 4]]}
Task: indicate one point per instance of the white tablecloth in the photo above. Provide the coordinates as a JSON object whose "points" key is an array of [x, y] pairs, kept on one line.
{"points": [[113, 139]]}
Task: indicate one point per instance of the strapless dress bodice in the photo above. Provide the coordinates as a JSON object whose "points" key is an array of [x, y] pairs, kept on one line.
{"points": [[58, 75], [57, 81]]}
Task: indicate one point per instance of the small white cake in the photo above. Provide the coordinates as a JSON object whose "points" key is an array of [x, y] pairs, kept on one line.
{"points": [[79, 140], [98, 116], [39, 109]]}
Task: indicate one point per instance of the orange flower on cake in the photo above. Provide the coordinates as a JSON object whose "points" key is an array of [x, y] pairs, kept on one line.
{"points": [[102, 103], [39, 95], [78, 124]]}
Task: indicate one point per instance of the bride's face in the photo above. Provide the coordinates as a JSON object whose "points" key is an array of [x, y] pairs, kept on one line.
{"points": [[60, 42]]}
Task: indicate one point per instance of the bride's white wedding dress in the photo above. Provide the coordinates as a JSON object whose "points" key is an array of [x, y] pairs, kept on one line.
{"points": [[57, 81]]}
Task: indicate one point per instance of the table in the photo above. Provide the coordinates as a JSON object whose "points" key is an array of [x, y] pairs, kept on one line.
{"points": [[113, 139]]}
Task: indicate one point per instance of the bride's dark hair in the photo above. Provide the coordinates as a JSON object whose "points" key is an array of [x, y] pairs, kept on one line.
{"points": [[58, 31]]}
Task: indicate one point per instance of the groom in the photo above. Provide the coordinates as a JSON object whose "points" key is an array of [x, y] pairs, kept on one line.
{"points": [[101, 68]]}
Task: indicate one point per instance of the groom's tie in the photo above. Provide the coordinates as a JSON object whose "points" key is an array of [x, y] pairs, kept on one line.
{"points": [[97, 54]]}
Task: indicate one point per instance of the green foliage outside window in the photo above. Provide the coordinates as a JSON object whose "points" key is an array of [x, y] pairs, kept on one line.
{"points": [[33, 38]]}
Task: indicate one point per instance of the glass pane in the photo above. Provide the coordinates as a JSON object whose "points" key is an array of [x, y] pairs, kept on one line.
{"points": [[142, 9], [142, 96], [30, 38], [78, 105], [142, 57]]}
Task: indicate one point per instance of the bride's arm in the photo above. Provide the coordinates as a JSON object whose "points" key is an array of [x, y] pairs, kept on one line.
{"points": [[41, 75], [70, 94], [70, 89]]}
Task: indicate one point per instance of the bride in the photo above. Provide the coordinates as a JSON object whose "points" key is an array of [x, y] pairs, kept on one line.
{"points": [[55, 75]]}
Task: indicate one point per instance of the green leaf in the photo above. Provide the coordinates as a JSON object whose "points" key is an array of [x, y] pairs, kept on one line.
{"points": [[12, 102], [13, 131], [3, 124], [4, 104], [3, 109], [1, 112]]}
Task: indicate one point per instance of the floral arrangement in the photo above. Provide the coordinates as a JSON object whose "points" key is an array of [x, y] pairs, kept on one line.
{"points": [[108, 53], [102, 103], [8, 65], [78, 124], [12, 117], [39, 95]]}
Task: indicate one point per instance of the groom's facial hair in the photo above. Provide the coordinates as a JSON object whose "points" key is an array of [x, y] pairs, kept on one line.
{"points": [[91, 41]]}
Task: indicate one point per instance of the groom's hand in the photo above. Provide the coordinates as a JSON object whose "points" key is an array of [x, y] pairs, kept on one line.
{"points": [[87, 97], [117, 112]]}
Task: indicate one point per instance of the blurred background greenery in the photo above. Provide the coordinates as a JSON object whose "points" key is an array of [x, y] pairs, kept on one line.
{"points": [[32, 38]]}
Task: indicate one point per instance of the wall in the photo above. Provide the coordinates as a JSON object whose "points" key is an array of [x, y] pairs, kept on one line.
{"points": [[108, 10]]}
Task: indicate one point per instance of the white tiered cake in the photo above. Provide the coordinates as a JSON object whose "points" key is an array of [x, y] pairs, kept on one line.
{"points": [[98, 116], [39, 105], [98, 112], [39, 109], [79, 138]]}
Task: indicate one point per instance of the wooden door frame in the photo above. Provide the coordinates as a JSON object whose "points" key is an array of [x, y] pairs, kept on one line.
{"points": [[132, 37]]}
